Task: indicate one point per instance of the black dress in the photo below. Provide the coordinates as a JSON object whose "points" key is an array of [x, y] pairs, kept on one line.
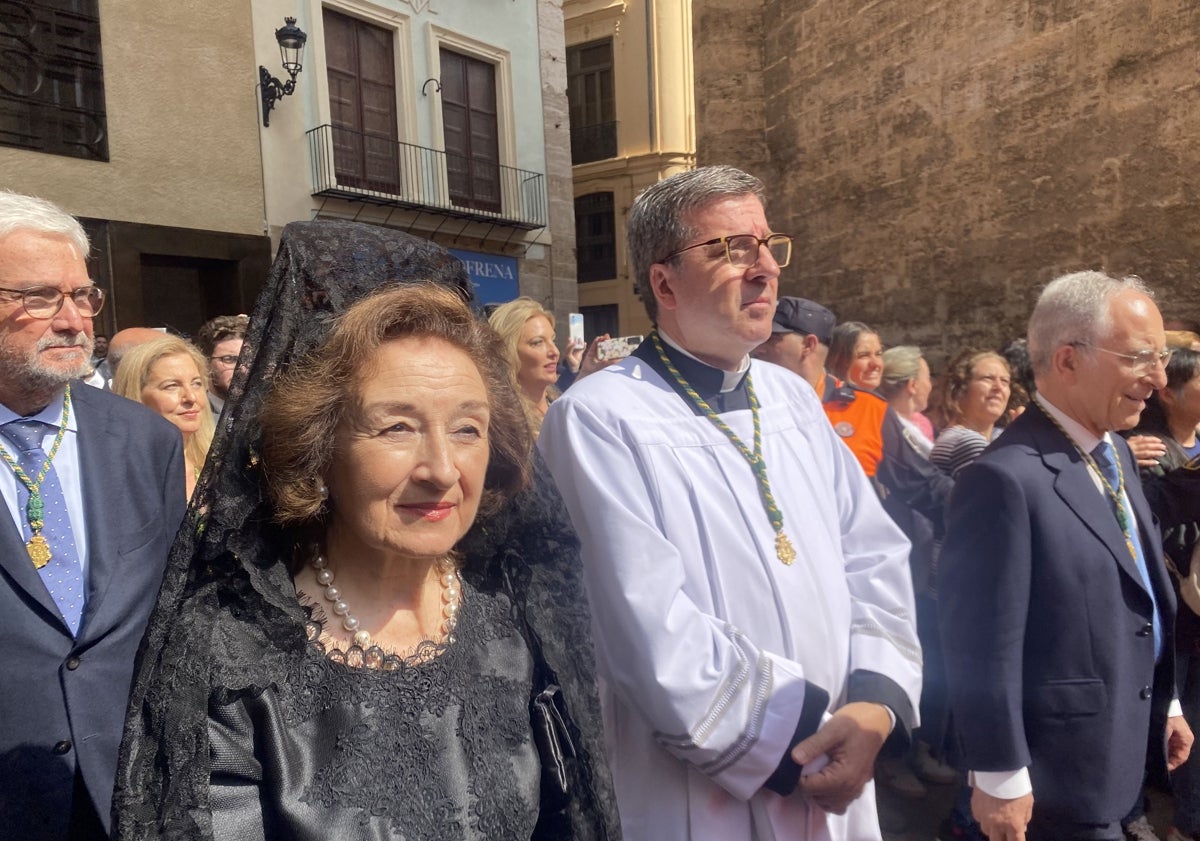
{"points": [[239, 727], [436, 748]]}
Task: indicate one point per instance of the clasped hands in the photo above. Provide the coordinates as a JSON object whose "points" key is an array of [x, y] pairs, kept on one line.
{"points": [[851, 738]]}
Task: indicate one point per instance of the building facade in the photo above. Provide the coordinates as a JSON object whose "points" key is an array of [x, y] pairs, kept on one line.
{"points": [[939, 162], [136, 117], [630, 89], [442, 118]]}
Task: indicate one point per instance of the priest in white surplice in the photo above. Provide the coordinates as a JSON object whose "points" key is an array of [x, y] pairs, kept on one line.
{"points": [[751, 600]]}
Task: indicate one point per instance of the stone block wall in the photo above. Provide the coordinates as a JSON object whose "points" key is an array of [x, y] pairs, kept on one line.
{"points": [[940, 161], [548, 272]]}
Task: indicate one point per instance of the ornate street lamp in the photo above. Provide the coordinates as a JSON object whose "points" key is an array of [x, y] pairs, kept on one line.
{"points": [[291, 40]]}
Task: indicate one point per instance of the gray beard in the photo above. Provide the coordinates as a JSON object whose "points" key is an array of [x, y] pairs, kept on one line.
{"points": [[30, 374]]}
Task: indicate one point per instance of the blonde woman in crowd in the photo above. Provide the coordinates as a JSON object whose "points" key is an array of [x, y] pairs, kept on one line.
{"points": [[169, 375], [527, 329]]}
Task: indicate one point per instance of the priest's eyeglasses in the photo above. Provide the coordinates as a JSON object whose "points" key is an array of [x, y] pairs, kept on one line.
{"points": [[742, 249], [1143, 363], [46, 301]]}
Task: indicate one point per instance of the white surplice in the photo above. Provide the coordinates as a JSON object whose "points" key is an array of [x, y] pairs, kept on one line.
{"points": [[704, 639]]}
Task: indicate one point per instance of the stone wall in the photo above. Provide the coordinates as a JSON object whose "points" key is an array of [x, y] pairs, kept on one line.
{"points": [[553, 282], [939, 161]]}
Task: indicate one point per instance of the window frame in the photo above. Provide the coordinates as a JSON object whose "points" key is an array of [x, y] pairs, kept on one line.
{"points": [[594, 276], [400, 26], [78, 69], [501, 59], [593, 141]]}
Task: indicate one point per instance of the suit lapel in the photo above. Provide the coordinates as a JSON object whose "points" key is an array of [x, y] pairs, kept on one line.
{"points": [[100, 449], [1075, 486]]}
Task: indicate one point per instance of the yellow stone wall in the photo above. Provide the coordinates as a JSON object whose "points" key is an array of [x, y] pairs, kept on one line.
{"points": [[652, 63]]}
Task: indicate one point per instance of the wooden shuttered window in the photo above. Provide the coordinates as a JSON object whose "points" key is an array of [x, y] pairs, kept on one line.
{"points": [[471, 131], [362, 103]]}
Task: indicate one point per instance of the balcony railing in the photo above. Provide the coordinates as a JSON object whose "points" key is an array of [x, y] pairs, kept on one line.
{"points": [[593, 143], [362, 167]]}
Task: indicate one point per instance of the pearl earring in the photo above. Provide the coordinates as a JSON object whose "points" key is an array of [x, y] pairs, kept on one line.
{"points": [[323, 491]]}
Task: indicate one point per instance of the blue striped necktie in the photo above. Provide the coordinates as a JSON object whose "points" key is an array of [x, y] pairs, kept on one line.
{"points": [[1105, 459], [62, 575]]}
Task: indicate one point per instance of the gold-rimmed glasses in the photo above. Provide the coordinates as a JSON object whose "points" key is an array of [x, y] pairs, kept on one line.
{"points": [[1143, 362], [45, 301], [742, 249]]}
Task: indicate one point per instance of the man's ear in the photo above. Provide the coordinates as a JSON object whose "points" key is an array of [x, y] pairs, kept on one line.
{"points": [[809, 345], [662, 284], [1066, 362]]}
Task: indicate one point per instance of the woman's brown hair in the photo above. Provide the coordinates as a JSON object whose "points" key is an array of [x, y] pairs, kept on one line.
{"points": [[958, 376]]}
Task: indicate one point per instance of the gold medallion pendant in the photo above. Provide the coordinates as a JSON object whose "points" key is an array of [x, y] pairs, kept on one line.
{"points": [[39, 551], [784, 549]]}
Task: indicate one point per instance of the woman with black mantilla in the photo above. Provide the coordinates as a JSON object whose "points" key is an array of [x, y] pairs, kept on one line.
{"points": [[326, 715]]}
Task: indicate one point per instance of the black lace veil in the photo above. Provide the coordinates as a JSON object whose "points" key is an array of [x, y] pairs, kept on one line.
{"points": [[227, 620]]}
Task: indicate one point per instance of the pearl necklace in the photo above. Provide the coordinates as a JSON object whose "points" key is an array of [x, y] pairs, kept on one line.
{"points": [[362, 651]]}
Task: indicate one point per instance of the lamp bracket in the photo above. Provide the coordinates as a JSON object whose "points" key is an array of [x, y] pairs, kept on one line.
{"points": [[272, 90]]}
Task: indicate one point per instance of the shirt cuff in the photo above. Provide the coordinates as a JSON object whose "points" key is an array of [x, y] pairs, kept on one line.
{"points": [[1006, 785], [787, 774], [1174, 708]]}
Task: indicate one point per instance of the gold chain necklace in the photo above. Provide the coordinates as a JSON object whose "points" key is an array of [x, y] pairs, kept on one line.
{"points": [[36, 546], [783, 546]]}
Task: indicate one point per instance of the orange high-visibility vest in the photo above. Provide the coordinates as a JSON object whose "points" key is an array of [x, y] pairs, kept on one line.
{"points": [[857, 417]]}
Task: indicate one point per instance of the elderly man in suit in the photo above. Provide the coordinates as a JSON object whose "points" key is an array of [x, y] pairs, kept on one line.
{"points": [[93, 490], [1057, 612]]}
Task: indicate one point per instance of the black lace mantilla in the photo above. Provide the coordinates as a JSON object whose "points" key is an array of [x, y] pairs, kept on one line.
{"points": [[228, 627]]}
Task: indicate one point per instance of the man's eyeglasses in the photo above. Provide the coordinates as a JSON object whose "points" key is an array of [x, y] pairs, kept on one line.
{"points": [[1144, 362], [45, 301], [742, 249], [225, 360]]}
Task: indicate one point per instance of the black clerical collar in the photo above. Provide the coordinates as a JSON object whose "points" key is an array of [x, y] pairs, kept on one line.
{"points": [[704, 378]]}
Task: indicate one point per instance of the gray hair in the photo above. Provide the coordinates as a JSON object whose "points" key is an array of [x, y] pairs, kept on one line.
{"points": [[1074, 308], [27, 213], [657, 227], [900, 365]]}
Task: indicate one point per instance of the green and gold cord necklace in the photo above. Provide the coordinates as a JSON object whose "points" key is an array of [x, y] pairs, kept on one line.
{"points": [[37, 547], [783, 546]]}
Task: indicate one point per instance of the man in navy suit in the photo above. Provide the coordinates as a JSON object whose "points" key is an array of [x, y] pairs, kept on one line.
{"points": [[1056, 609], [93, 493]]}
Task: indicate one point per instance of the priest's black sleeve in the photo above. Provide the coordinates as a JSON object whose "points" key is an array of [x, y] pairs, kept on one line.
{"points": [[787, 774]]}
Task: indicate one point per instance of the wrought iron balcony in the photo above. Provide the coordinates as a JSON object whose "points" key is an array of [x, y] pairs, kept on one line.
{"points": [[362, 167], [593, 143]]}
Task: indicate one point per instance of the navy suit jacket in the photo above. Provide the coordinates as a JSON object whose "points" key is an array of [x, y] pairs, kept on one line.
{"points": [[63, 699], [1046, 626]]}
